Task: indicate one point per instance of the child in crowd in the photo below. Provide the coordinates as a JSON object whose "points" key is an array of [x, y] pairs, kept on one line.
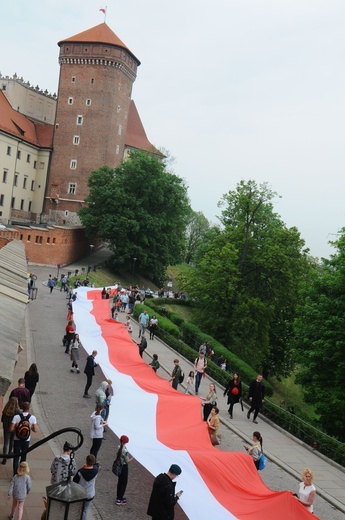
{"points": [[86, 477], [190, 383], [20, 487], [128, 324], [155, 363]]}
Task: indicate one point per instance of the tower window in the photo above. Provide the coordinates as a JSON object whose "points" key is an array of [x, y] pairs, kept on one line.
{"points": [[32, 185], [79, 120], [73, 164], [35, 165], [22, 204], [72, 188], [30, 204], [9, 150], [120, 129], [76, 139], [28, 158], [13, 201], [118, 108], [25, 180], [70, 101], [4, 176], [92, 81], [88, 102], [117, 149], [19, 154], [15, 180], [2, 197], [73, 77]]}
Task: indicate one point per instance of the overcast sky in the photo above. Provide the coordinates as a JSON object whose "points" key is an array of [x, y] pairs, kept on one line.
{"points": [[234, 89]]}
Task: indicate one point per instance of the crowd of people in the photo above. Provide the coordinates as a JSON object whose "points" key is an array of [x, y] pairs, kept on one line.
{"points": [[16, 417]]}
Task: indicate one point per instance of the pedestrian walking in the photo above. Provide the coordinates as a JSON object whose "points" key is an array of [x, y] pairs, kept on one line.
{"points": [[22, 393], [124, 457], [89, 371], [22, 424], [200, 365], [234, 392], [307, 490], [97, 429], [51, 283], [62, 465], [10, 410], [86, 477], [69, 336], [163, 498], [153, 327], [255, 451], [142, 346], [74, 347], [175, 374], [256, 397], [19, 489], [209, 401], [31, 378], [143, 321], [190, 383]]}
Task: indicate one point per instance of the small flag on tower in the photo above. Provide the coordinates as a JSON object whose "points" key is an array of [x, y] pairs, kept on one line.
{"points": [[103, 11]]}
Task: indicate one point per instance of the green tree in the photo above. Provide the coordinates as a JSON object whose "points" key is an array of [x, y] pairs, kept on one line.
{"points": [[197, 228], [253, 309], [320, 340], [141, 210]]}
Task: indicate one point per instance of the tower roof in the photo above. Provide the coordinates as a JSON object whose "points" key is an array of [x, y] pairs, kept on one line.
{"points": [[136, 136], [99, 34]]}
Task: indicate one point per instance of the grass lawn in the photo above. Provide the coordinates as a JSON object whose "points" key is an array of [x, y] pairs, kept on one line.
{"points": [[287, 390], [105, 277], [174, 270]]}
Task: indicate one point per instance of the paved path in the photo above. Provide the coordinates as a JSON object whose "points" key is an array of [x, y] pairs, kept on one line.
{"points": [[58, 403]]}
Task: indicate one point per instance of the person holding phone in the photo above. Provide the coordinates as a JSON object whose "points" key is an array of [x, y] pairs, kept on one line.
{"points": [[163, 498]]}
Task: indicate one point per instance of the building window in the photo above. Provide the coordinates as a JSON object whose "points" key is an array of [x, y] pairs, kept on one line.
{"points": [[79, 120], [72, 188], [120, 129], [9, 150], [88, 102], [118, 108], [41, 165], [73, 79], [29, 238], [48, 240], [25, 180], [2, 198], [28, 158], [35, 165], [19, 154], [92, 81], [117, 149], [4, 176], [73, 164], [32, 185], [53, 241], [13, 201], [37, 240], [22, 204], [76, 139], [21, 237], [70, 101], [29, 206], [15, 180]]}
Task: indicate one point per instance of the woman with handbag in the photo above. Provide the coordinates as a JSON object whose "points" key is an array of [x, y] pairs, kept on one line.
{"points": [[256, 451], [124, 458], [234, 392], [209, 401]]}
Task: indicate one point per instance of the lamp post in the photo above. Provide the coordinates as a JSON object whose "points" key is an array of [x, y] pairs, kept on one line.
{"points": [[134, 260]]}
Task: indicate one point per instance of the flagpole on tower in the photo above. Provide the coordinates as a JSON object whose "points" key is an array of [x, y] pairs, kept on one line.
{"points": [[104, 11]]}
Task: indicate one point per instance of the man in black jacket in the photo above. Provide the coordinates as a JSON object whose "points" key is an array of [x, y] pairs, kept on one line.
{"points": [[256, 397], [89, 371], [163, 498]]}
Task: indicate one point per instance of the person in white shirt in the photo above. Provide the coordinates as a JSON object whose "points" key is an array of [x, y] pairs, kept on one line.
{"points": [[22, 444], [307, 490]]}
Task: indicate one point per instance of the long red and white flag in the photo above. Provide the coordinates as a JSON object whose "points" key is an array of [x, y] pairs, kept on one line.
{"points": [[165, 427]]}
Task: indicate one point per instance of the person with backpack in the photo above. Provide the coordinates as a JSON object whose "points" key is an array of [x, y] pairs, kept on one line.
{"points": [[200, 365], [22, 424], [175, 374], [60, 467], [11, 409], [256, 451]]}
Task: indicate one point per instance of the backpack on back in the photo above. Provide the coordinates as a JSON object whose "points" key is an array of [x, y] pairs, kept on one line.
{"points": [[181, 377], [23, 428]]}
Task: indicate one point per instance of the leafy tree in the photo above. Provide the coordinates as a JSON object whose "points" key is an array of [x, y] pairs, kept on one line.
{"points": [[141, 210], [320, 340], [256, 263], [197, 229]]}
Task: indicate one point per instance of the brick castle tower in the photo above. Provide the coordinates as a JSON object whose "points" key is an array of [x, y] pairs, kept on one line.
{"points": [[97, 72]]}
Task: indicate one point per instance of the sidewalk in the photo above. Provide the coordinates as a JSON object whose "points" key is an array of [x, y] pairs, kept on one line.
{"points": [[288, 452]]}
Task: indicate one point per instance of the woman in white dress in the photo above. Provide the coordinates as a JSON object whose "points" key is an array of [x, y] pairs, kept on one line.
{"points": [[307, 491]]}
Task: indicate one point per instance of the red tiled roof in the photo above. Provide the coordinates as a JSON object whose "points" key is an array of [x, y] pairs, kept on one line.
{"points": [[18, 125], [99, 34], [136, 136]]}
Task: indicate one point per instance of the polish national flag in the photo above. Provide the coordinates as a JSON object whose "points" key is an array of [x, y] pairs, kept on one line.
{"points": [[103, 11]]}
